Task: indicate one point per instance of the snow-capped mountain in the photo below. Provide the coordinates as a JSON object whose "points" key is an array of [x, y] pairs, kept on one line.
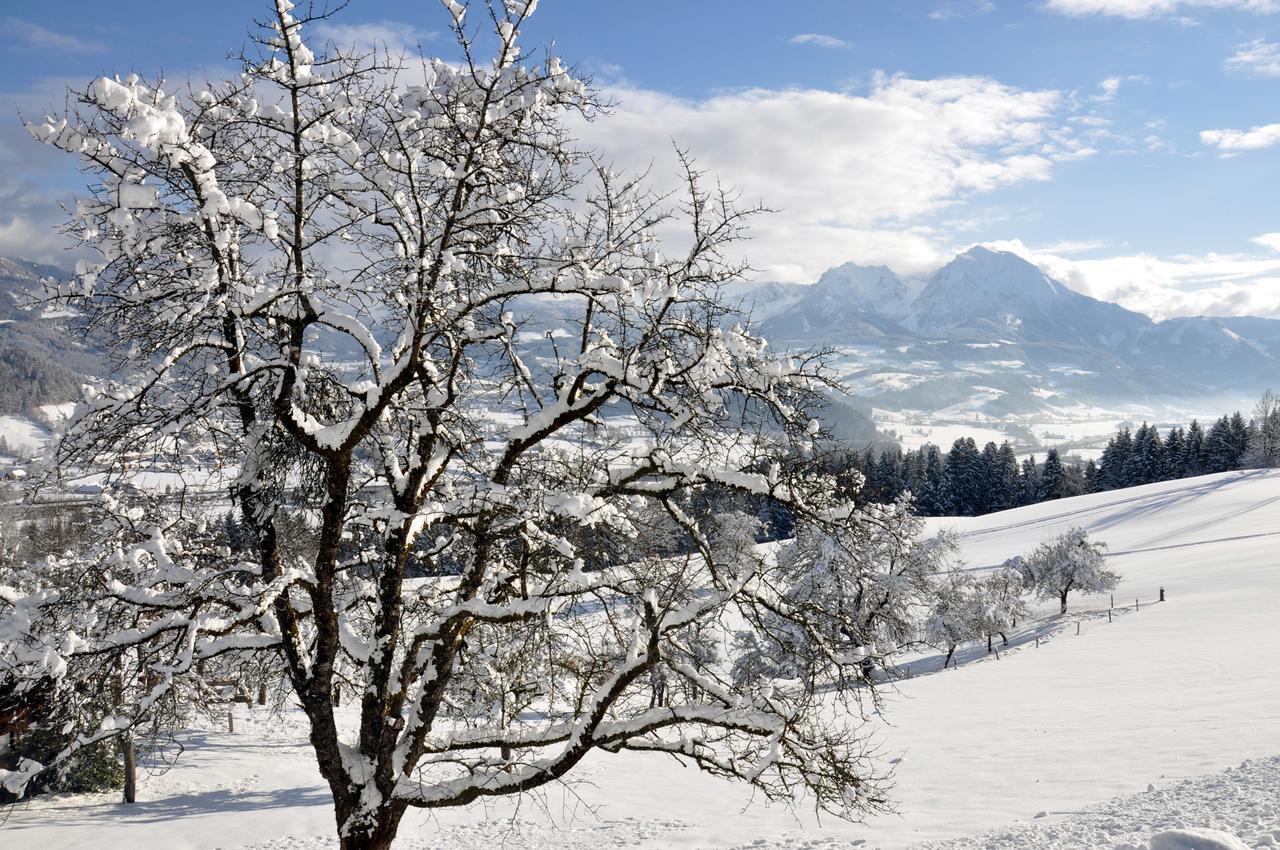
{"points": [[872, 298], [999, 292], [991, 326]]}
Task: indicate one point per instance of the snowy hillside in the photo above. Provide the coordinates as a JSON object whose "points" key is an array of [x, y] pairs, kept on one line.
{"points": [[1179, 690]]}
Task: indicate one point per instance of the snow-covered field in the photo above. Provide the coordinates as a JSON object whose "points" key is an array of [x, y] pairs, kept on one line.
{"points": [[1074, 729]]}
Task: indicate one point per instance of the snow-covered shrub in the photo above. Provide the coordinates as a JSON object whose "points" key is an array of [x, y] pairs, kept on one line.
{"points": [[1068, 562]]}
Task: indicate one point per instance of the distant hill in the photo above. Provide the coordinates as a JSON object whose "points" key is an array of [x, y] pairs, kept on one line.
{"points": [[42, 358]]}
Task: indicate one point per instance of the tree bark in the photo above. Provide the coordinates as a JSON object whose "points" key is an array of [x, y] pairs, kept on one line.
{"points": [[1062, 597], [130, 769]]}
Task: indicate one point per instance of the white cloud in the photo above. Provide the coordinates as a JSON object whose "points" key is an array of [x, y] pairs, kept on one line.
{"points": [[32, 240], [1108, 88], [1258, 57], [819, 40], [1135, 9], [849, 174], [1232, 142], [962, 9], [1164, 287], [374, 35], [35, 37]]}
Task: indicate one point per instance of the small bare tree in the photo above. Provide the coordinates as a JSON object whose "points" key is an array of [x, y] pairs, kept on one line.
{"points": [[1264, 437], [403, 311]]}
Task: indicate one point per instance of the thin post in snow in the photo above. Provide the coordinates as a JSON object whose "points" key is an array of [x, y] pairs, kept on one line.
{"points": [[1108, 615], [1162, 594], [1135, 605], [1037, 641], [231, 720]]}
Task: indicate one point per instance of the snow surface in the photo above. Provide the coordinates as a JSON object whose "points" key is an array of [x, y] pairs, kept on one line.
{"points": [[23, 434], [1156, 696]]}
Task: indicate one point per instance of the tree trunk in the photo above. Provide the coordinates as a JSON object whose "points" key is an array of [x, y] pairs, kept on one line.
{"points": [[988, 644], [1062, 597], [130, 769], [947, 660], [375, 836], [1004, 639], [365, 842], [262, 693]]}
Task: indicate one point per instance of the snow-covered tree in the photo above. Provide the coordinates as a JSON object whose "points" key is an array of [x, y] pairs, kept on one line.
{"points": [[1030, 483], [934, 497], [966, 478], [1053, 477], [951, 621], [1264, 443], [405, 312], [1068, 562], [969, 608], [997, 603], [871, 590]]}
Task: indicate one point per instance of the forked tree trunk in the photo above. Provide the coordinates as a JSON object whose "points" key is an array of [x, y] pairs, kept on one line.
{"points": [[375, 836]]}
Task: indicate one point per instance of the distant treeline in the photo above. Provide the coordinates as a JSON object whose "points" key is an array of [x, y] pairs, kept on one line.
{"points": [[968, 481]]}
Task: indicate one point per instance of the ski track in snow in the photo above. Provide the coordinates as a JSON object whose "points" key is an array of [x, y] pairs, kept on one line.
{"points": [[1243, 802]]}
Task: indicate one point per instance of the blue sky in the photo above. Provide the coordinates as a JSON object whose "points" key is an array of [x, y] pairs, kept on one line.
{"points": [[1107, 140]]}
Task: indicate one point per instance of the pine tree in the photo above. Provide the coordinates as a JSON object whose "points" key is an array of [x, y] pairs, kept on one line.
{"points": [[911, 474], [1005, 484], [990, 463], [965, 477], [1241, 433], [1053, 477], [1091, 476], [1030, 490], [1175, 447], [935, 497], [1194, 461], [1219, 447], [886, 475], [1146, 461]]}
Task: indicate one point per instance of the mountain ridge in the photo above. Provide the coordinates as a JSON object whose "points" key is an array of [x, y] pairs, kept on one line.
{"points": [[992, 321]]}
